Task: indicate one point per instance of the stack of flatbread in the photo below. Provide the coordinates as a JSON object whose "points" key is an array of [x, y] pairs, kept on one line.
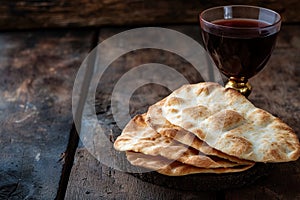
{"points": [[205, 128]]}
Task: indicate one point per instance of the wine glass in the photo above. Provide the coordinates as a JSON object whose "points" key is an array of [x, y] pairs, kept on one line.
{"points": [[240, 40]]}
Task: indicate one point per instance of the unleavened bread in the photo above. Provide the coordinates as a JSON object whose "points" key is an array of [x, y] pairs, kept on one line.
{"points": [[229, 122], [174, 168], [137, 136]]}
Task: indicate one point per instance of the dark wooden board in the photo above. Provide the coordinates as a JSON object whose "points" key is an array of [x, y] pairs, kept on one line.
{"points": [[275, 89], [82, 13], [207, 182], [92, 180], [37, 73]]}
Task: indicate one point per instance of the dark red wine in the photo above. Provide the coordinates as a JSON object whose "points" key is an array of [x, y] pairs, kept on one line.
{"points": [[241, 53]]}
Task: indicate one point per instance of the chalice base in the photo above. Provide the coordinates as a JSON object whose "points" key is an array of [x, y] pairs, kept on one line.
{"points": [[240, 84]]}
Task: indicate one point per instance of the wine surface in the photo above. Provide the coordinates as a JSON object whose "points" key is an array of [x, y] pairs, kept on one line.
{"points": [[241, 23]]}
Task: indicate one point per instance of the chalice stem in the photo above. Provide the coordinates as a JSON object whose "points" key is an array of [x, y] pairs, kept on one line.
{"points": [[240, 84]]}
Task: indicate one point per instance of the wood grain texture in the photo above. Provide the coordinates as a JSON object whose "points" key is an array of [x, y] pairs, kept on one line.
{"points": [[92, 180], [83, 13], [276, 90], [37, 72], [137, 58]]}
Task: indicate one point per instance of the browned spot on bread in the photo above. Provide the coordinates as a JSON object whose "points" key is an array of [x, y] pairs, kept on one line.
{"points": [[174, 101], [282, 126], [187, 88], [273, 154], [197, 112], [237, 145], [118, 142], [187, 125], [199, 133], [139, 120], [232, 119], [260, 117], [226, 120], [173, 110], [202, 90], [168, 141], [152, 138], [169, 132]]}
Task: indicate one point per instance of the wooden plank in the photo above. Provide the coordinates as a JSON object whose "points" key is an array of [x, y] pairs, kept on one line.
{"points": [[37, 72], [82, 13], [276, 89], [92, 180]]}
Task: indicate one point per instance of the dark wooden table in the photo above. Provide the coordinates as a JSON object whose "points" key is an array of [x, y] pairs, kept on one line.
{"points": [[38, 140]]}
